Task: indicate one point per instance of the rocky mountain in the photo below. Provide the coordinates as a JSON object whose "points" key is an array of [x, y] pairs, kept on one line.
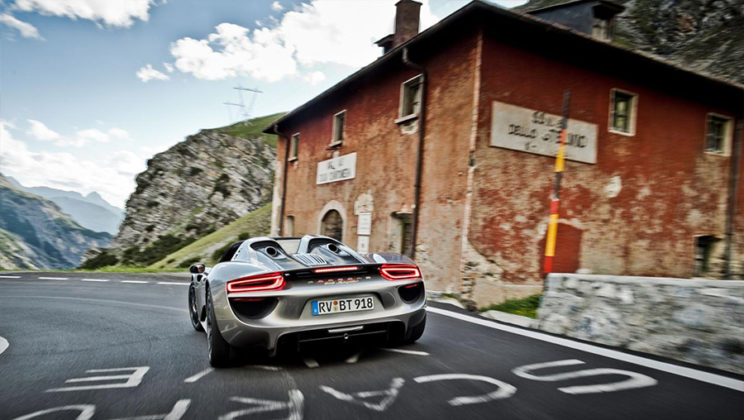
{"points": [[35, 233], [192, 189], [703, 35], [90, 211]]}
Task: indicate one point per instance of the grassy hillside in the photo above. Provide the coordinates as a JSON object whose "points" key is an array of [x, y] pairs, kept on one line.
{"points": [[252, 128], [209, 248]]}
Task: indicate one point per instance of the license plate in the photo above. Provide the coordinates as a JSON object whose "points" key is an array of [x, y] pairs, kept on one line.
{"points": [[334, 306]]}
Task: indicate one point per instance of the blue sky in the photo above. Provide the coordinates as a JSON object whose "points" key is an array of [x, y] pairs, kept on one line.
{"points": [[90, 89]]}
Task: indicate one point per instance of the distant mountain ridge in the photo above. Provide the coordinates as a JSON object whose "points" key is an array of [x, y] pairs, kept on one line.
{"points": [[192, 189], [90, 211], [35, 233]]}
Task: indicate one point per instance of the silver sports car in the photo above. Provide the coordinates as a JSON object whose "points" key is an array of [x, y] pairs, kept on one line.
{"points": [[274, 293]]}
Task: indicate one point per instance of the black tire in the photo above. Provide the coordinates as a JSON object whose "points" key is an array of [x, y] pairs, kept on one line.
{"points": [[415, 332], [193, 310], [217, 348]]}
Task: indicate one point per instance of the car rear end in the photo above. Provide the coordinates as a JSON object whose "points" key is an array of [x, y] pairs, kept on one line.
{"points": [[376, 301]]}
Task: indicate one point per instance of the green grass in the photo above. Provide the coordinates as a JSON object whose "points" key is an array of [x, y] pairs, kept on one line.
{"points": [[252, 128], [525, 307], [256, 223]]}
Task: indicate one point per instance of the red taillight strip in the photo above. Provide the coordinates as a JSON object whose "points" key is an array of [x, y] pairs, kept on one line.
{"points": [[400, 272], [336, 269], [261, 283]]}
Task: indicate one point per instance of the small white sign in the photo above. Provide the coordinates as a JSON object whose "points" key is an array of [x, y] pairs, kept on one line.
{"points": [[364, 226], [533, 131], [337, 169], [362, 244]]}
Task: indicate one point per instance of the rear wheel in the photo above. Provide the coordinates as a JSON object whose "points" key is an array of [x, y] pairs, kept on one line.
{"points": [[218, 348], [193, 310], [415, 332]]}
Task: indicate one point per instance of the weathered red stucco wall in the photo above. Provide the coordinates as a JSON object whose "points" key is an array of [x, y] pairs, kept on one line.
{"points": [[637, 210]]}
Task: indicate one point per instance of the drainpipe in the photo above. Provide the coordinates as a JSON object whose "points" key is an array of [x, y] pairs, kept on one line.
{"points": [[419, 151], [733, 190], [284, 179]]}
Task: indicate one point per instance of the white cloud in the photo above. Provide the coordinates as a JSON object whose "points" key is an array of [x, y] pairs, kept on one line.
{"points": [[318, 33], [315, 77], [27, 30], [40, 131], [113, 178], [114, 13], [275, 6], [168, 67], [148, 73]]}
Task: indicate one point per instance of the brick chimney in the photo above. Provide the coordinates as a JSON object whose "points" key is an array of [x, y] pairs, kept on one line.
{"points": [[406, 21]]}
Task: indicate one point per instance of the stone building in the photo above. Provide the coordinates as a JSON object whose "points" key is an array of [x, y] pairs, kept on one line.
{"points": [[448, 140]]}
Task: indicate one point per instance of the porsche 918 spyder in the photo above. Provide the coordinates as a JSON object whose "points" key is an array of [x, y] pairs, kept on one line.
{"points": [[285, 292]]}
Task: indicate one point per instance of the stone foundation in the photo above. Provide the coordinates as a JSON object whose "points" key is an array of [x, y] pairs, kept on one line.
{"points": [[696, 321]]}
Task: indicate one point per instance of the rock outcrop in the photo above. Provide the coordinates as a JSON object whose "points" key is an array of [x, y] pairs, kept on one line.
{"points": [[702, 35], [35, 233], [192, 189]]}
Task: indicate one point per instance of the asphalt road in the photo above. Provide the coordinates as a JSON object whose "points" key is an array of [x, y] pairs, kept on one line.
{"points": [[114, 346]]}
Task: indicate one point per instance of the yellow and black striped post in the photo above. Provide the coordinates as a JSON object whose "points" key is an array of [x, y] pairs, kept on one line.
{"points": [[555, 196]]}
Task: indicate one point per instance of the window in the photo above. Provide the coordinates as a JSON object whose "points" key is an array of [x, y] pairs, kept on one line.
{"points": [[339, 121], [401, 232], [289, 226], [704, 247], [294, 143], [332, 225], [622, 112], [717, 134], [410, 97]]}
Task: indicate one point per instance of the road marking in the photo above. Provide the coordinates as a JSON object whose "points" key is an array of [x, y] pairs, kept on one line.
{"points": [[264, 367], [133, 379], [173, 282], [10, 277], [636, 380], [353, 358], [85, 411], [135, 281], [294, 406], [179, 409], [358, 398], [310, 362], [192, 379], [413, 352], [96, 280], [54, 278], [505, 390], [686, 372], [3, 345]]}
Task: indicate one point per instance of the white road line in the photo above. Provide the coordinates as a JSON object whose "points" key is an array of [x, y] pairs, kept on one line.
{"points": [[413, 352], [192, 379], [3, 345], [54, 278], [173, 282], [686, 372], [97, 280], [135, 281], [10, 277]]}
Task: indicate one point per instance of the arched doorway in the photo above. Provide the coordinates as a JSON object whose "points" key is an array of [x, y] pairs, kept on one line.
{"points": [[332, 225]]}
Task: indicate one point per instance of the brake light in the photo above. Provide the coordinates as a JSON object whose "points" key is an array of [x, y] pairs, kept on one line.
{"points": [[259, 283], [336, 269], [400, 272]]}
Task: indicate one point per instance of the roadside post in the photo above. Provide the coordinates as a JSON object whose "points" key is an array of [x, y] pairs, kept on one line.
{"points": [[555, 196]]}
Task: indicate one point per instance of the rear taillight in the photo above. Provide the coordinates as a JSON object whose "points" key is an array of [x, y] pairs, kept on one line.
{"points": [[336, 269], [400, 272], [258, 283]]}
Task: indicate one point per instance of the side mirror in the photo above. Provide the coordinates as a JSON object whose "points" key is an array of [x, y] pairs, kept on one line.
{"points": [[197, 268]]}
